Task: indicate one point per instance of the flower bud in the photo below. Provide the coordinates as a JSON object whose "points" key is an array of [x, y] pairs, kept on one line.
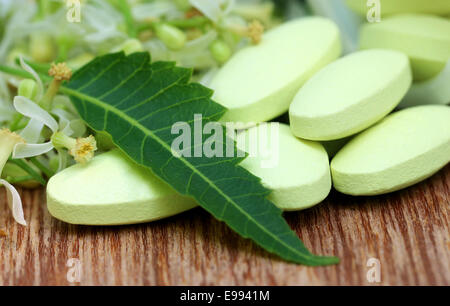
{"points": [[220, 51], [132, 46], [28, 89], [171, 36]]}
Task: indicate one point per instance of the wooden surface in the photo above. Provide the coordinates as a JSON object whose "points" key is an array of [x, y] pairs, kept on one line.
{"points": [[407, 231]]}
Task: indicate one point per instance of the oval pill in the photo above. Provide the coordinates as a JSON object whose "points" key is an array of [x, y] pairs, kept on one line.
{"points": [[258, 83], [350, 95], [296, 170], [401, 150], [424, 38], [112, 190]]}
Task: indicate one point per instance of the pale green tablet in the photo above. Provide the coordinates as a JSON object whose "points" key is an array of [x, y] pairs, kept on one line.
{"points": [[350, 95], [403, 149], [424, 38], [296, 170], [389, 7], [112, 190], [259, 82]]}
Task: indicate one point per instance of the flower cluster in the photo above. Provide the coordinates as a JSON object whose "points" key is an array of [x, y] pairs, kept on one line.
{"points": [[42, 123], [186, 31]]}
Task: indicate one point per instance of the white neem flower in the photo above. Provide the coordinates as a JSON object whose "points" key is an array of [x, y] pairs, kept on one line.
{"points": [[8, 141], [32, 132], [65, 128], [68, 124]]}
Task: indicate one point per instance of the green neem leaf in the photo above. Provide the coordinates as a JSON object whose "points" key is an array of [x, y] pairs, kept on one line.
{"points": [[137, 103]]}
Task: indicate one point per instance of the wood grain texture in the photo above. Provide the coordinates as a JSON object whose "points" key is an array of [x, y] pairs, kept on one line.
{"points": [[408, 231]]}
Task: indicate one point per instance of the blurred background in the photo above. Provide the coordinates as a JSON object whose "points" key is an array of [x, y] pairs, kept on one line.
{"points": [[195, 33]]}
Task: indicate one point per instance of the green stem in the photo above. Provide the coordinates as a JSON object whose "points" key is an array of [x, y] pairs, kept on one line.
{"points": [[36, 176], [49, 173], [15, 71], [22, 73], [126, 12], [52, 90]]}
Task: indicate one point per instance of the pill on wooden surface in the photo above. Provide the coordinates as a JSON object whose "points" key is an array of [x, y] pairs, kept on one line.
{"points": [[258, 83], [389, 7], [403, 149], [424, 38], [350, 94], [112, 190], [296, 170]]}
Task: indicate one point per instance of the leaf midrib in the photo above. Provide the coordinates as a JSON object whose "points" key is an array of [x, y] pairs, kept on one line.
{"points": [[147, 131]]}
